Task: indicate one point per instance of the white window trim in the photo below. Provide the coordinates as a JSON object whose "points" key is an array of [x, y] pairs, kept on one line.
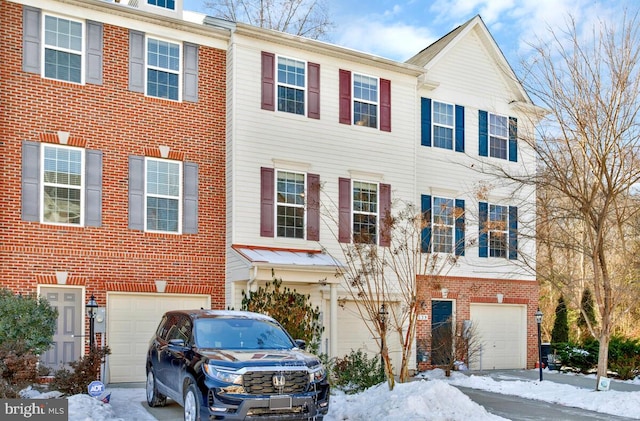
{"points": [[452, 226], [147, 66], [434, 124], [43, 184], [490, 135], [179, 198], [305, 89], [491, 230], [364, 101], [277, 203], [46, 46], [377, 212]]}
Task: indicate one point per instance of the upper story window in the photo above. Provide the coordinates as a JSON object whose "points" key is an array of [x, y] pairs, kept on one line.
{"points": [[163, 69], [63, 183], [291, 85], [443, 225], [443, 229], [289, 204], [443, 125], [498, 230], [498, 136], [166, 4], [63, 49], [290, 196], [365, 101], [163, 195], [365, 212]]}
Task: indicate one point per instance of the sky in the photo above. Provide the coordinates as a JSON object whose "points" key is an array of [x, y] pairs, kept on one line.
{"points": [[406, 402], [399, 29]]}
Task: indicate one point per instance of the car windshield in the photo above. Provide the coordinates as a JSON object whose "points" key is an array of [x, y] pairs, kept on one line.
{"points": [[240, 333]]}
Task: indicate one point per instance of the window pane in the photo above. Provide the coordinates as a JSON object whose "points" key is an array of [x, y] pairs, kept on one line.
{"points": [[163, 195], [162, 214], [365, 212], [365, 114], [290, 197], [498, 223], [291, 85], [62, 181], [365, 88]]}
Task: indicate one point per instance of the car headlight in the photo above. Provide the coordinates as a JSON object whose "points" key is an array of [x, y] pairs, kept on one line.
{"points": [[222, 374], [317, 374]]}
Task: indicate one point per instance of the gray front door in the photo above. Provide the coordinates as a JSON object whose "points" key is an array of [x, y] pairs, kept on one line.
{"points": [[67, 338]]}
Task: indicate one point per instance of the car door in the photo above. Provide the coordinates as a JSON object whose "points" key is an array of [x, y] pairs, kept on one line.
{"points": [[174, 355]]}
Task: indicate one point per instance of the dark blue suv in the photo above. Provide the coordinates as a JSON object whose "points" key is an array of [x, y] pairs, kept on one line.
{"points": [[234, 365]]}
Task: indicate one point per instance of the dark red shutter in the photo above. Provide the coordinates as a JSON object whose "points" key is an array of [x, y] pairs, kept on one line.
{"points": [[385, 105], [344, 210], [268, 81], [314, 90], [313, 207], [345, 96], [385, 215], [266, 202]]}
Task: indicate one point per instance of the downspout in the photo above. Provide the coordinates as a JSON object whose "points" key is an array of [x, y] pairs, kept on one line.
{"points": [[253, 274]]}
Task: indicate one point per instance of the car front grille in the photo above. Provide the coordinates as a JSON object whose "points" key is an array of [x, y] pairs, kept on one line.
{"points": [[261, 382]]}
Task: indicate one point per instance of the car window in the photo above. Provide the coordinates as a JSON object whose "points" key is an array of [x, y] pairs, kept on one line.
{"points": [[180, 330], [230, 333]]}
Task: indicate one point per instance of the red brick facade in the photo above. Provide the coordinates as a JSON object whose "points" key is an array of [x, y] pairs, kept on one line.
{"points": [[466, 291], [118, 122]]}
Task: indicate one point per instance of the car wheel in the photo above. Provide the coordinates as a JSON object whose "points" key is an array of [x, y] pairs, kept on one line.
{"points": [[191, 404], [153, 397]]}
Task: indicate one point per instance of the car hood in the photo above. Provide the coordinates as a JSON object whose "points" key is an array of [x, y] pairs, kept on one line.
{"points": [[261, 357]]}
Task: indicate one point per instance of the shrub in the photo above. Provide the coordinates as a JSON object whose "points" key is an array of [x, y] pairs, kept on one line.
{"points": [[28, 317], [356, 372], [582, 358], [624, 357], [84, 371], [560, 332], [292, 309], [17, 369]]}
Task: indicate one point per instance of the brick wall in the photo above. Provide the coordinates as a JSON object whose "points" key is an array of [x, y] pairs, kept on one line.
{"points": [[465, 291], [120, 123]]}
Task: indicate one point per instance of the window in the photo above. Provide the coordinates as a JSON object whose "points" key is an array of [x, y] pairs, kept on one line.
{"points": [[443, 225], [291, 85], [365, 212], [442, 125], [497, 230], [498, 136], [365, 101], [63, 49], [167, 4], [163, 195], [163, 69], [62, 183], [290, 202]]}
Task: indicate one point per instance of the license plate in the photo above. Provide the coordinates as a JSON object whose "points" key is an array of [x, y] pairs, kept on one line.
{"points": [[280, 402]]}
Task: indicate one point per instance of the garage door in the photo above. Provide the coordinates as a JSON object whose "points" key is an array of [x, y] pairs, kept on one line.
{"points": [[502, 333], [353, 335], [131, 321]]}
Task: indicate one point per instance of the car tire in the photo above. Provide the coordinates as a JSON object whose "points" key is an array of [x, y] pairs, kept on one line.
{"points": [[153, 397], [191, 403]]}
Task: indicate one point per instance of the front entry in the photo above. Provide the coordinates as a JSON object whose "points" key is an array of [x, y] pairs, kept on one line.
{"points": [[441, 332], [67, 338]]}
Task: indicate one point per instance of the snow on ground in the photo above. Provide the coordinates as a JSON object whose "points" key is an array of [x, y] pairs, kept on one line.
{"points": [[406, 402]]}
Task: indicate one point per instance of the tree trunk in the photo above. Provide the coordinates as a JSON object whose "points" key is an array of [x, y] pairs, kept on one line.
{"points": [[603, 353]]}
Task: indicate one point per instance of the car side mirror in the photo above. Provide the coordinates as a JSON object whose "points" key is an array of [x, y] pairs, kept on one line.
{"points": [[177, 343], [301, 344]]}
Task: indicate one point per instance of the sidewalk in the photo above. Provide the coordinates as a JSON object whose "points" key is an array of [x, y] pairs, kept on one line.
{"points": [[578, 380]]}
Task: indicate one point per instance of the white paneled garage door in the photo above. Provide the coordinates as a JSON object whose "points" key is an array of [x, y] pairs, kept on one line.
{"points": [[132, 318], [502, 332], [353, 335]]}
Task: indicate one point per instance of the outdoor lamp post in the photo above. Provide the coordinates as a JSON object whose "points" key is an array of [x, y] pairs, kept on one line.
{"points": [[539, 321], [92, 309], [382, 313]]}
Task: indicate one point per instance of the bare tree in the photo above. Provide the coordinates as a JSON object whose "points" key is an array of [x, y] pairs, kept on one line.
{"points": [[307, 18], [588, 203], [386, 278], [456, 343]]}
